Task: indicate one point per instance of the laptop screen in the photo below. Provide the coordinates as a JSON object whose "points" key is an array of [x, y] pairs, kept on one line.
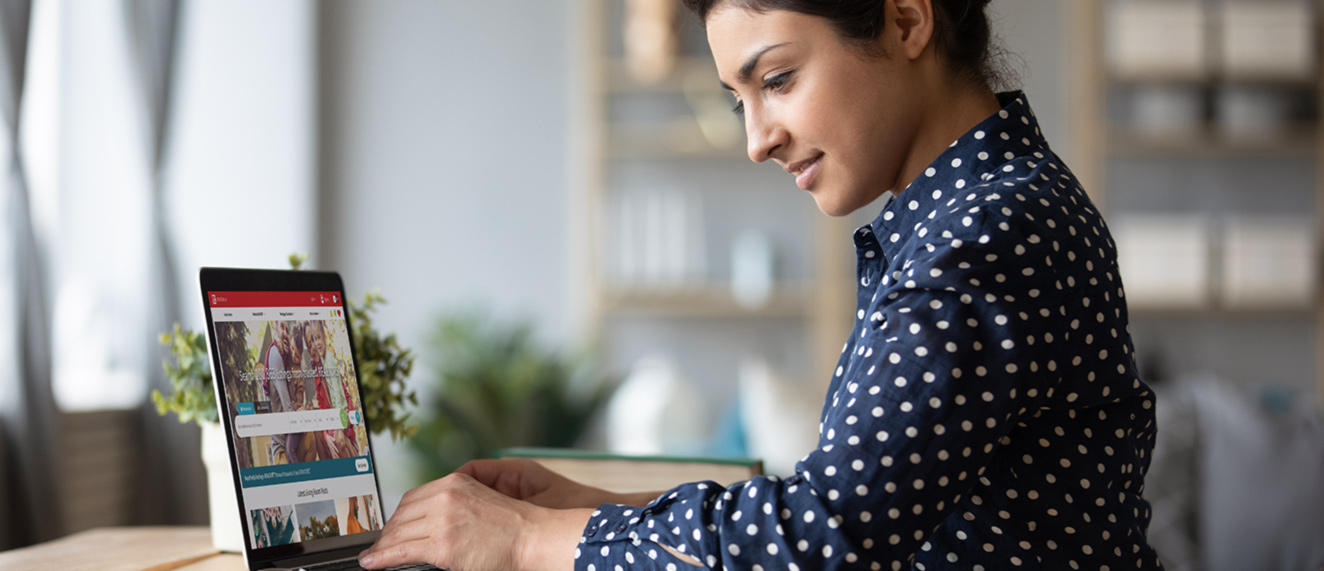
{"points": [[295, 413]]}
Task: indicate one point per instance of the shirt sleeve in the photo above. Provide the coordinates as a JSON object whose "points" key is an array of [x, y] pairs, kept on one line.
{"points": [[955, 347]]}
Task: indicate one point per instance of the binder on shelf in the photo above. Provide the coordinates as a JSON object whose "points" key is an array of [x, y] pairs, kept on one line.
{"points": [[1164, 260], [656, 240], [1148, 39], [1269, 262], [1267, 40]]}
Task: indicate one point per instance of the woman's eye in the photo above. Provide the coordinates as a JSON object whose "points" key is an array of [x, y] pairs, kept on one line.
{"points": [[777, 82]]}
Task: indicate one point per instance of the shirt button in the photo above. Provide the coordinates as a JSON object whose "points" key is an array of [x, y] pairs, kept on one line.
{"points": [[620, 528], [593, 529], [794, 479]]}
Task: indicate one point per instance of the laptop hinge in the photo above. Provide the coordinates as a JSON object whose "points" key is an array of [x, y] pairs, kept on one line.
{"points": [[319, 557]]}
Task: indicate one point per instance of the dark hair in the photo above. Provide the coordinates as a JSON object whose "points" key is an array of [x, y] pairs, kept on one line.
{"points": [[961, 29]]}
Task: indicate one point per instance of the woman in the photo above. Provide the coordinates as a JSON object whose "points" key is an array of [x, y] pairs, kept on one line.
{"points": [[985, 413]]}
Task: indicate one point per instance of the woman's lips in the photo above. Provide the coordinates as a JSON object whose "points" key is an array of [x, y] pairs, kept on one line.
{"points": [[806, 171]]}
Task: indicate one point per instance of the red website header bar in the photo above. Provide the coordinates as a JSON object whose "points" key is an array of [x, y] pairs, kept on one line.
{"points": [[275, 298]]}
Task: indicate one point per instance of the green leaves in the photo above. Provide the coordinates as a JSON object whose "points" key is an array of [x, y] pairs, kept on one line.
{"points": [[383, 368], [190, 378], [497, 388]]}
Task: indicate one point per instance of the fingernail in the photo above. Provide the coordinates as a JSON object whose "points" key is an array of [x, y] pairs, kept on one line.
{"points": [[365, 559]]}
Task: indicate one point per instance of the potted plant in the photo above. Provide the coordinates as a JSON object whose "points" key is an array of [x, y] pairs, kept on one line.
{"points": [[383, 366], [497, 388]]}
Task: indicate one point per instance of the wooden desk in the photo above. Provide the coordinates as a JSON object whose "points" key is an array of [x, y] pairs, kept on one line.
{"points": [[126, 549], [218, 562]]}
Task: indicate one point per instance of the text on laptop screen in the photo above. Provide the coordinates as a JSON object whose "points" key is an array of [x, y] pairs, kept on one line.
{"points": [[295, 412]]}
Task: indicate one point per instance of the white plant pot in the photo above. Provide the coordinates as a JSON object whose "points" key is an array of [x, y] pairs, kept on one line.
{"points": [[226, 532]]}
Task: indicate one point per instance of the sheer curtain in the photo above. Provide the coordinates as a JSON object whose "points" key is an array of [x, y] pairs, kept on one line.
{"points": [[93, 281], [138, 136], [153, 28], [27, 409]]}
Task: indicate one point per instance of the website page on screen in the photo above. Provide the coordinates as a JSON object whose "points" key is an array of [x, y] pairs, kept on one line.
{"points": [[296, 416]]}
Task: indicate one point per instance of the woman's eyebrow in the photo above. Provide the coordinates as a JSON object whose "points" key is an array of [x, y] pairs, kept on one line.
{"points": [[747, 70]]}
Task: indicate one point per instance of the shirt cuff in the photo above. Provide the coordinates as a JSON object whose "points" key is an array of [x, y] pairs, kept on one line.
{"points": [[612, 541], [610, 522]]}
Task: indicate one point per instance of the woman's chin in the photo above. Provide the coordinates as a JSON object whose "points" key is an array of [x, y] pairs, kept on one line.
{"points": [[833, 203]]}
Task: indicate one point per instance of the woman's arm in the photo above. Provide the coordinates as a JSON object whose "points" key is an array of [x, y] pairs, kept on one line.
{"points": [[493, 514], [530, 481]]}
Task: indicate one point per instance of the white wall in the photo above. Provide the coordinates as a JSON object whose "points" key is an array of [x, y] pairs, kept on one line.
{"points": [[240, 176], [242, 168], [444, 175], [1035, 34], [444, 165]]}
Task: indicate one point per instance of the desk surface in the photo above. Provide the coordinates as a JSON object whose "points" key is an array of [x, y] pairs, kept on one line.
{"points": [[217, 562], [126, 549]]}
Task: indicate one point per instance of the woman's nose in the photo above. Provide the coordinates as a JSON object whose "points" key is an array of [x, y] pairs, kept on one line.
{"points": [[764, 135]]}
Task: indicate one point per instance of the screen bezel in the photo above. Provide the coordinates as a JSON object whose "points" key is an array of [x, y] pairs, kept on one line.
{"points": [[236, 279]]}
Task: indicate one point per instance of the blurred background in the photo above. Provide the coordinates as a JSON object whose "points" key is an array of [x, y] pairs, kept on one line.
{"points": [[561, 184]]}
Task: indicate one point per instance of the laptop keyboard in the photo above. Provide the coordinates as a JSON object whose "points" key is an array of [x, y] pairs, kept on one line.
{"points": [[353, 565]]}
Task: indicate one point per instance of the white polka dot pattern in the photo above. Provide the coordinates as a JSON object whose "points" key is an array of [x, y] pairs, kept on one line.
{"points": [[985, 413]]}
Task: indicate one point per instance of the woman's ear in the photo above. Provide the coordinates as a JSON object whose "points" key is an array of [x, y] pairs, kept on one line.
{"points": [[913, 19]]}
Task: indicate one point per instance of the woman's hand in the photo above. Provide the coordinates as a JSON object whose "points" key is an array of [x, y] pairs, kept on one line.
{"points": [[530, 481], [459, 523]]}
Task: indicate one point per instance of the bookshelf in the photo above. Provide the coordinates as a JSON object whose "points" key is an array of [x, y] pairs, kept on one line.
{"points": [[1108, 147], [676, 132]]}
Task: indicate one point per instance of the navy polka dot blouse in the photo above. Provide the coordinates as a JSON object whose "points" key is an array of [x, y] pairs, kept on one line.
{"points": [[985, 414]]}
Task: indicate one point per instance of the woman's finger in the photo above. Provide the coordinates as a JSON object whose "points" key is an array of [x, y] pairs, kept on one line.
{"points": [[404, 553], [515, 478], [403, 534]]}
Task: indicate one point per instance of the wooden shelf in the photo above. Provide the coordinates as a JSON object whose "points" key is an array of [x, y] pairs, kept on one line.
{"points": [[1218, 309], [693, 73], [1208, 142], [707, 300], [666, 139], [1215, 82]]}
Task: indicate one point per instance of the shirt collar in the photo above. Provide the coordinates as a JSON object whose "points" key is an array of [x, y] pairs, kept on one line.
{"points": [[1011, 133]]}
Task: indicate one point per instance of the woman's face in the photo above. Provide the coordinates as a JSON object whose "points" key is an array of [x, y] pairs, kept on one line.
{"points": [[296, 345], [316, 337], [838, 119]]}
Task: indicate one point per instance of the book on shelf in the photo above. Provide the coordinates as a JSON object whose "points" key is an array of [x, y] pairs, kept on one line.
{"points": [[628, 473]]}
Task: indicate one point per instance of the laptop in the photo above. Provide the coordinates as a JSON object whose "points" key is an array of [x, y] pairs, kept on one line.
{"points": [[288, 390]]}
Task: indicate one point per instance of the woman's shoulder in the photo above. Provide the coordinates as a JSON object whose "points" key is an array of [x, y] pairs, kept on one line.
{"points": [[1004, 163], [1033, 195]]}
